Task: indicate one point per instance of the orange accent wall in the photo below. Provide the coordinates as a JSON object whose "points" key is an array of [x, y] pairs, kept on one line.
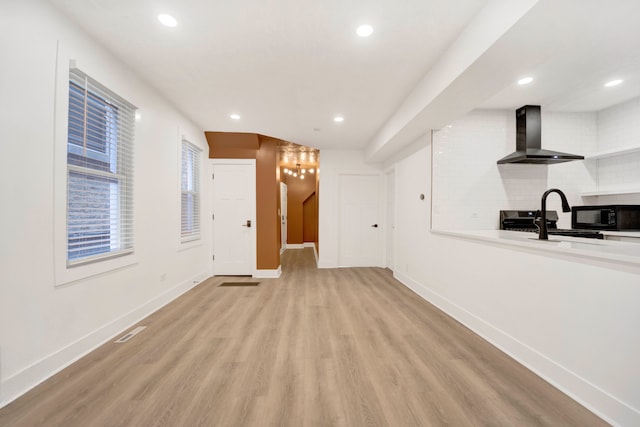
{"points": [[229, 145], [232, 145], [298, 190], [309, 219], [267, 197]]}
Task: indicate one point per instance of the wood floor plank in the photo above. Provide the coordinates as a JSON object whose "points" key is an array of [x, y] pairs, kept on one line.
{"points": [[332, 347], [323, 404]]}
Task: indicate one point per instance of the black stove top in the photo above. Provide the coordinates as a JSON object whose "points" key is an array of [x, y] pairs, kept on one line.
{"points": [[514, 220]]}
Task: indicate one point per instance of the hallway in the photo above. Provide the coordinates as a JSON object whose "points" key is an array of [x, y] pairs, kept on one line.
{"points": [[348, 347]]}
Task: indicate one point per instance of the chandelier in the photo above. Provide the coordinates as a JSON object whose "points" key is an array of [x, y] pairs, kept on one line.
{"points": [[298, 172]]}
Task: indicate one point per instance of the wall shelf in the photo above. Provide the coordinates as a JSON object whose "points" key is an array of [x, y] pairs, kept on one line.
{"points": [[611, 191], [614, 152]]}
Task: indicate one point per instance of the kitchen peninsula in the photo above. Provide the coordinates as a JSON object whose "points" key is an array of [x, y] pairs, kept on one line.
{"points": [[575, 247]]}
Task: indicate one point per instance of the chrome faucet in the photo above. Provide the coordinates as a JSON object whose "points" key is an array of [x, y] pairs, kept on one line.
{"points": [[542, 222]]}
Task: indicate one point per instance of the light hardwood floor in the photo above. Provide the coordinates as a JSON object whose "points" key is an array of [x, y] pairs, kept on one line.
{"points": [[344, 347]]}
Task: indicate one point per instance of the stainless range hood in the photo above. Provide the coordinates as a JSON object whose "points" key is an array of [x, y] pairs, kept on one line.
{"points": [[528, 141]]}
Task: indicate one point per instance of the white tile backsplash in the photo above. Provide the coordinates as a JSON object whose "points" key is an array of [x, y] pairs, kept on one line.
{"points": [[619, 127], [469, 188]]}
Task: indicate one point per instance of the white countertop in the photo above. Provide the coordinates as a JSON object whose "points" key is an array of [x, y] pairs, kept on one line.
{"points": [[622, 233], [621, 252]]}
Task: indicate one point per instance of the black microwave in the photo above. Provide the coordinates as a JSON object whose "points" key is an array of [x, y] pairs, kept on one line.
{"points": [[608, 217]]}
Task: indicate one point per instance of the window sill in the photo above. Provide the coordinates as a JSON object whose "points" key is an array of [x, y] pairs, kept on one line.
{"points": [[70, 275]]}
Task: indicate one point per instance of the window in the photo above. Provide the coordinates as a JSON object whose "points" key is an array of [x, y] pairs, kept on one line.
{"points": [[99, 172], [190, 192]]}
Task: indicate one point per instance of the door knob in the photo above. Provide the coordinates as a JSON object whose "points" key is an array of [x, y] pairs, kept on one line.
{"points": [[248, 224], [375, 225]]}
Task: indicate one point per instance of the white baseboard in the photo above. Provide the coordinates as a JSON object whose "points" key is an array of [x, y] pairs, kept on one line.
{"points": [[324, 264], [268, 274], [23, 381], [598, 401], [301, 245]]}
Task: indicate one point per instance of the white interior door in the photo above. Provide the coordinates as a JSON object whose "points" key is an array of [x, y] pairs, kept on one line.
{"points": [[360, 228], [283, 215], [391, 220], [234, 217]]}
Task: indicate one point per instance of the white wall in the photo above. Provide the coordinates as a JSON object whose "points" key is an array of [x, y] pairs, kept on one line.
{"points": [[470, 188], [412, 215], [573, 322], [332, 164], [44, 327], [619, 127]]}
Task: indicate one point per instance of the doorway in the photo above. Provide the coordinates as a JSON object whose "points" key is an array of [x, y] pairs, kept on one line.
{"points": [[391, 221], [283, 217], [234, 217], [299, 174], [361, 231]]}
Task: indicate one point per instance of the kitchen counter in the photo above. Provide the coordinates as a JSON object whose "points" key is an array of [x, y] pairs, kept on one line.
{"points": [[622, 236], [606, 250]]}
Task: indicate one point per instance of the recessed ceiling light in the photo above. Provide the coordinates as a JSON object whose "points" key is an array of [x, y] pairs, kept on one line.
{"points": [[338, 119], [364, 30], [235, 116], [525, 80], [615, 82], [167, 20]]}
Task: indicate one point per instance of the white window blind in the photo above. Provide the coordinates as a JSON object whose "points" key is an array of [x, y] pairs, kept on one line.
{"points": [[190, 192], [99, 172]]}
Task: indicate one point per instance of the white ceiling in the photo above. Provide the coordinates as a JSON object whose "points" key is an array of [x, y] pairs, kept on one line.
{"points": [[593, 42], [289, 66], [286, 66]]}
